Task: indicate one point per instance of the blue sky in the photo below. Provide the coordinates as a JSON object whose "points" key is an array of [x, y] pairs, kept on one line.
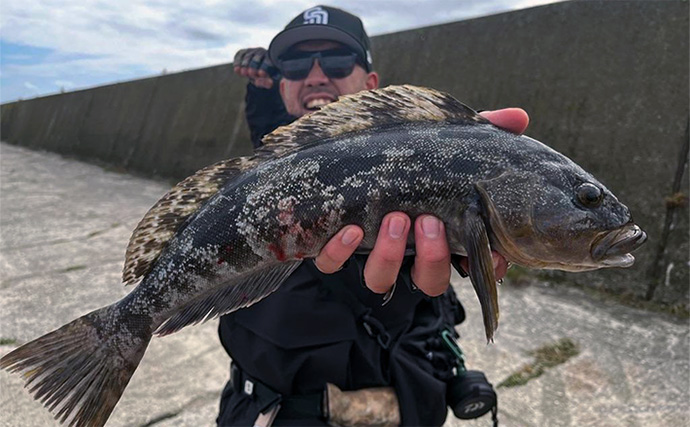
{"points": [[48, 46]]}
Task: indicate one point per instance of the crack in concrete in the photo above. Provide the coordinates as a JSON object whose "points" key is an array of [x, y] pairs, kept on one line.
{"points": [[6, 283], [85, 237], [655, 274], [210, 396]]}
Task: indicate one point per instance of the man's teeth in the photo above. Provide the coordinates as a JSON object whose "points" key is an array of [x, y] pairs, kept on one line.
{"points": [[318, 103]]}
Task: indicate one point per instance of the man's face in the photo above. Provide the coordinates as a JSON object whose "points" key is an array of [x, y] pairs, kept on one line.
{"points": [[316, 90]]}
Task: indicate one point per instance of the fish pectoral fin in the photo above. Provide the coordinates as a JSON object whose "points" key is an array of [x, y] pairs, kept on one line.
{"points": [[236, 294], [481, 269]]}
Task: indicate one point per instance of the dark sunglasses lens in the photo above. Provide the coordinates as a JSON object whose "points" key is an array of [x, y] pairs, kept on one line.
{"points": [[296, 69], [337, 67]]}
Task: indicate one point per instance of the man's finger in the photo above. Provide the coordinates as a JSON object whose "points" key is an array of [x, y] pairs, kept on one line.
{"points": [[513, 120], [238, 57], [263, 82], [339, 249], [385, 259], [431, 270], [245, 60], [500, 265]]}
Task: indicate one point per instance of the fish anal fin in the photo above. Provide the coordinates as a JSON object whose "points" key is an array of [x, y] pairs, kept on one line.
{"points": [[234, 295]]}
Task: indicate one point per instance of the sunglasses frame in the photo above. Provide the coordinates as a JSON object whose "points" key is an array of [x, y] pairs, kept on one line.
{"points": [[324, 62]]}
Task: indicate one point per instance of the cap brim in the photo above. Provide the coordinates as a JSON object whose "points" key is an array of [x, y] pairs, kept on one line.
{"points": [[291, 36]]}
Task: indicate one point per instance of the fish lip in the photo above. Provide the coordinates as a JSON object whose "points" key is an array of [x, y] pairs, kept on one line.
{"points": [[613, 248]]}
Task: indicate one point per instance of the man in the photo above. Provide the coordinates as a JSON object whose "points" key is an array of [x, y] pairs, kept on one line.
{"points": [[327, 324]]}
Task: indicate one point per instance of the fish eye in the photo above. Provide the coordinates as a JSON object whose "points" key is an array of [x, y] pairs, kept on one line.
{"points": [[589, 195]]}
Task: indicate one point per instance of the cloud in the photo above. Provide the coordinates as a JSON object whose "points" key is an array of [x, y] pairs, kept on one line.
{"points": [[80, 40], [32, 87]]}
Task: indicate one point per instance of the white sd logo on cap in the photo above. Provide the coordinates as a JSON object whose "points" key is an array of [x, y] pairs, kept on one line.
{"points": [[315, 15]]}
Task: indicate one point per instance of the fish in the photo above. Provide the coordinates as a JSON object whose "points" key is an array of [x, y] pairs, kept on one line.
{"points": [[229, 235]]}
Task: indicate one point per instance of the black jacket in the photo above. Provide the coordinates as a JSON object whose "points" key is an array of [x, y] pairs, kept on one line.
{"points": [[321, 328]]}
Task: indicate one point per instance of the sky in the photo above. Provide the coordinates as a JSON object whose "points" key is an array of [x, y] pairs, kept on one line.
{"points": [[50, 46]]}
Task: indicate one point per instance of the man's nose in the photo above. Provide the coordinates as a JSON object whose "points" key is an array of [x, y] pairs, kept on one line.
{"points": [[316, 75]]}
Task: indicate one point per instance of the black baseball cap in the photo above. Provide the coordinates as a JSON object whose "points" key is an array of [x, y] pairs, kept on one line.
{"points": [[323, 23]]}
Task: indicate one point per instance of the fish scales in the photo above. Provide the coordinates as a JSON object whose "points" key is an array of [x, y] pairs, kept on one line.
{"points": [[229, 235], [288, 209]]}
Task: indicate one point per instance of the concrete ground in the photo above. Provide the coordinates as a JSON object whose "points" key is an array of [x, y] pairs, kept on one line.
{"points": [[65, 226]]}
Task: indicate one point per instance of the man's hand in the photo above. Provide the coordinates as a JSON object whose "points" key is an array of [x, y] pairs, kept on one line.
{"points": [[431, 269], [254, 64]]}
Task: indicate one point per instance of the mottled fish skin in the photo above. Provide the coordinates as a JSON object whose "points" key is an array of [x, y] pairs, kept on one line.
{"points": [[252, 221], [287, 209]]}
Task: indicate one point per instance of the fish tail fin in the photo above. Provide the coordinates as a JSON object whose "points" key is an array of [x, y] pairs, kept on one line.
{"points": [[80, 370]]}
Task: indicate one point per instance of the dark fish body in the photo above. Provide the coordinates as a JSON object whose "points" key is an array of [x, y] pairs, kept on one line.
{"points": [[230, 235]]}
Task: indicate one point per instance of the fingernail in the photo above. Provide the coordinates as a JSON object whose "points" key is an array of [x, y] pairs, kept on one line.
{"points": [[396, 227], [431, 226], [349, 236]]}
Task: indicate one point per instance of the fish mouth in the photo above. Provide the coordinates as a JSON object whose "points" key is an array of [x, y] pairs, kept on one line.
{"points": [[613, 249]]}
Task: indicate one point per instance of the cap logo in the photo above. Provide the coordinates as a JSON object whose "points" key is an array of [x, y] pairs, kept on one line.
{"points": [[316, 15]]}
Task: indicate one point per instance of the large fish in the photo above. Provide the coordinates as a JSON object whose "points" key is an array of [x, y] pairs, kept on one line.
{"points": [[229, 235]]}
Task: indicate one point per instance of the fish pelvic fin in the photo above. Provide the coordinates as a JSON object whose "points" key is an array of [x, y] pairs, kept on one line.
{"points": [[372, 109], [76, 371], [233, 296], [481, 269]]}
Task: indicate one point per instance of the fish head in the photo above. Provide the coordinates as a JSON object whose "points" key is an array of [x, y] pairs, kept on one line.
{"points": [[558, 216]]}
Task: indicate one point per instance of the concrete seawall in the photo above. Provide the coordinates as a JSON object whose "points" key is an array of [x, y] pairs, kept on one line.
{"points": [[606, 83]]}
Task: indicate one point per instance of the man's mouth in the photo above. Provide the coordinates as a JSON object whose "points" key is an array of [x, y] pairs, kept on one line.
{"points": [[316, 103]]}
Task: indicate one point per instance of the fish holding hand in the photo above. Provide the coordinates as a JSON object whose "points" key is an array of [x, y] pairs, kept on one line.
{"points": [[229, 235]]}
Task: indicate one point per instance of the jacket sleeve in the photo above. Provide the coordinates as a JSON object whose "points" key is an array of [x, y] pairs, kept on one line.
{"points": [[264, 111]]}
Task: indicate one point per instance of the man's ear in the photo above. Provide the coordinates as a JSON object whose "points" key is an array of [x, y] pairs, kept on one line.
{"points": [[372, 80], [281, 87]]}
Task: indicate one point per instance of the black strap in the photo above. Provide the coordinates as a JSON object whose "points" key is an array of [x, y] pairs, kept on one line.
{"points": [[373, 326]]}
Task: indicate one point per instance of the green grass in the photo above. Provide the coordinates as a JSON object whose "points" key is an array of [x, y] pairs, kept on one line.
{"points": [[8, 341], [73, 268], [545, 357]]}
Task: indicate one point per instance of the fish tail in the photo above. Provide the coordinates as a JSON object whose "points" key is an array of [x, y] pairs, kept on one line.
{"points": [[80, 370]]}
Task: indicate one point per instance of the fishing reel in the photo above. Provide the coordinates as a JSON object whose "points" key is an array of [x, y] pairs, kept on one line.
{"points": [[469, 394]]}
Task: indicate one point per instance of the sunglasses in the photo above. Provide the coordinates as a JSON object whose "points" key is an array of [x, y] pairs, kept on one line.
{"points": [[335, 63]]}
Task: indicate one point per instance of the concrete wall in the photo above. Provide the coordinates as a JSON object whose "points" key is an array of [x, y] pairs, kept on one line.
{"points": [[605, 82], [169, 125]]}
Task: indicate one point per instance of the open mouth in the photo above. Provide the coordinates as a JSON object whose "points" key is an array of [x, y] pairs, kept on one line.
{"points": [[315, 101], [316, 104], [613, 249]]}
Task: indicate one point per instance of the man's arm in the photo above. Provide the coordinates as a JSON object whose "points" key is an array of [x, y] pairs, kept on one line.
{"points": [[264, 109], [431, 270]]}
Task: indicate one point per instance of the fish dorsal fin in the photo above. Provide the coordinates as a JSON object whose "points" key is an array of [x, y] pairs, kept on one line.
{"points": [[373, 109]]}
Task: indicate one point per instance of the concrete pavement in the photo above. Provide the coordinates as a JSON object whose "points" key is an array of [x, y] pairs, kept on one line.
{"points": [[64, 229]]}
